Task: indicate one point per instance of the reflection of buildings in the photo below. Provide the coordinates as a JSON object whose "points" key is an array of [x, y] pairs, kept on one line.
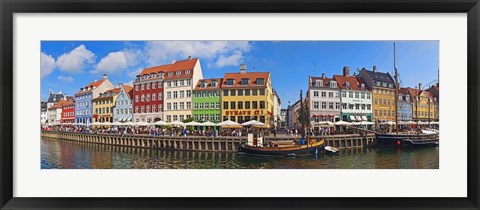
{"points": [[247, 96], [323, 100], [84, 97], [206, 100], [383, 89]]}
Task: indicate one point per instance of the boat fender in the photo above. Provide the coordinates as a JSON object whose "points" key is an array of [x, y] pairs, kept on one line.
{"points": [[398, 142]]}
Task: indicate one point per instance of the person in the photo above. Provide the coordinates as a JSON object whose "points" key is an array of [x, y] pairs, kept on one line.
{"points": [[296, 132], [274, 132], [184, 132]]}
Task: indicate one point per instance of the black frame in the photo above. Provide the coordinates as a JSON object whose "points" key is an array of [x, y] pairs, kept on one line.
{"points": [[9, 7]]}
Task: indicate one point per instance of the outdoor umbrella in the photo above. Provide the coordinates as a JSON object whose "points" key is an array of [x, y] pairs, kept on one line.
{"points": [[177, 123], [208, 123], [141, 123], [387, 123], [228, 123], [160, 123], [342, 123]]}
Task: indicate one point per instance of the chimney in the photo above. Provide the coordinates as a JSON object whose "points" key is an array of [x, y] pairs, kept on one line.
{"points": [[189, 57], [173, 61], [420, 86], [104, 76], [323, 76], [243, 68], [81, 89], [346, 71], [374, 68]]}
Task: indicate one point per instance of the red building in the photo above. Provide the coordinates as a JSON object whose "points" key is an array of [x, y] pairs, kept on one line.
{"points": [[68, 112]]}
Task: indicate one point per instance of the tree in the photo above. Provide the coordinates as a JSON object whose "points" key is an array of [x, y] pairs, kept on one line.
{"points": [[188, 120], [302, 116]]}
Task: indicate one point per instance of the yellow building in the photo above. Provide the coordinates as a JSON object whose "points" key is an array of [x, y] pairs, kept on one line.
{"points": [[383, 94], [423, 105], [247, 96], [103, 105]]}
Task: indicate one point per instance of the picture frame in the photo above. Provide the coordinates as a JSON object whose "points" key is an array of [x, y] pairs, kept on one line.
{"points": [[9, 8]]}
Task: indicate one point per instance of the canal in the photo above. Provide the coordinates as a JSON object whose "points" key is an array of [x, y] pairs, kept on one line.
{"points": [[63, 154]]}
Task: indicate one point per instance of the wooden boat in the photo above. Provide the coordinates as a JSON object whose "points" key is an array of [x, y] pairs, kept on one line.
{"points": [[407, 139], [280, 148]]}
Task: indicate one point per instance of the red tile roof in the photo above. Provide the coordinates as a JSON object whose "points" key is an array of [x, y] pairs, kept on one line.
{"points": [[92, 84], [59, 104], [115, 91], [326, 81], [182, 65], [209, 84], [128, 90], [355, 82], [251, 76]]}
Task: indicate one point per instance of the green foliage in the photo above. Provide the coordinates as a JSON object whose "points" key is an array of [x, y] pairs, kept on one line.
{"points": [[188, 120]]}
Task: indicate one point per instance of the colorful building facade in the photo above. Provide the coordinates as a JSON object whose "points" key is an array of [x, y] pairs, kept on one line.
{"points": [[423, 104], [405, 109], [356, 98], [103, 105], [123, 109], [324, 102], [206, 100], [148, 94], [383, 90], [68, 111], [247, 96], [83, 99]]}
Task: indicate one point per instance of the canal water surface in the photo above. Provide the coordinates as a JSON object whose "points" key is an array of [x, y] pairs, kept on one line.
{"points": [[62, 154]]}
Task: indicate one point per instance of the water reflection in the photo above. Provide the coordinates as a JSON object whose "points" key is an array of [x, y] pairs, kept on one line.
{"points": [[73, 155]]}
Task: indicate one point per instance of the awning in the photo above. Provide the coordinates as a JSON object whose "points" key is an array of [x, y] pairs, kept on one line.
{"points": [[316, 115], [324, 115], [359, 118], [352, 117], [364, 118], [332, 115]]}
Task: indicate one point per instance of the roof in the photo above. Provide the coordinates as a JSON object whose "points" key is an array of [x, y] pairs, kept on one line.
{"points": [[69, 103], [403, 91], [108, 94], [182, 65], [54, 97], [209, 84], [59, 104], [128, 90], [251, 76], [380, 76], [91, 85], [326, 81], [355, 82]]}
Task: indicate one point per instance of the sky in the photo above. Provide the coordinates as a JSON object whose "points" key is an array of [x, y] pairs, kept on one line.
{"points": [[68, 65]]}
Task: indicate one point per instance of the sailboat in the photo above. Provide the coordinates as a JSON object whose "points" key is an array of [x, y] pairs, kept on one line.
{"points": [[401, 139]]}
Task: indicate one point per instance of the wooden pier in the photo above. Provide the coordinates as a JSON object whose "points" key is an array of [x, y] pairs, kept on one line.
{"points": [[197, 143]]}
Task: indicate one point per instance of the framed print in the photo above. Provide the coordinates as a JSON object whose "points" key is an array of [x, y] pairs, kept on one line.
{"points": [[246, 105]]}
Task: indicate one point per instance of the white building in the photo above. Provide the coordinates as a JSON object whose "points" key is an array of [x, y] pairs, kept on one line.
{"points": [[277, 119], [356, 98], [324, 100]]}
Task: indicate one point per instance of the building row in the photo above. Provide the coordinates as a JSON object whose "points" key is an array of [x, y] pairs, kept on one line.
{"points": [[175, 91], [367, 96]]}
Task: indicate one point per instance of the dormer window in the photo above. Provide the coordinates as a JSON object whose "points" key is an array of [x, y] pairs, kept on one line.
{"points": [[214, 83], [178, 73], [390, 85], [347, 84], [244, 81], [203, 84], [333, 84], [170, 74], [362, 86], [229, 81], [319, 83], [152, 75], [187, 71], [260, 81]]}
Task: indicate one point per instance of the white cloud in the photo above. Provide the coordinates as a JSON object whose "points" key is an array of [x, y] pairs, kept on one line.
{"points": [[47, 64], [76, 60], [65, 78], [229, 60], [161, 52], [136, 72], [118, 62]]}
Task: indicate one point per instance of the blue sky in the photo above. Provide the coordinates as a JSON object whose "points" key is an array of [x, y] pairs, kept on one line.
{"points": [[68, 65]]}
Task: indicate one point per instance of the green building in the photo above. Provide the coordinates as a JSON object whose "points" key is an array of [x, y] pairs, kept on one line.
{"points": [[206, 100]]}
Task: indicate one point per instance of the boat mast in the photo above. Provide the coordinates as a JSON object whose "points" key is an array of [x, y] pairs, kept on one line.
{"points": [[302, 116], [396, 89]]}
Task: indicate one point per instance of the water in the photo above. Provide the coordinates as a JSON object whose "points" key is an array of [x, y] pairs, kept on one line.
{"points": [[61, 154]]}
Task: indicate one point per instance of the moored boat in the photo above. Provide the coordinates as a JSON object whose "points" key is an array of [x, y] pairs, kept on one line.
{"points": [[407, 139], [282, 149]]}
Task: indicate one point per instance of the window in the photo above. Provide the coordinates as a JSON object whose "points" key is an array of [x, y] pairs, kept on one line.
{"points": [[262, 92], [337, 105], [330, 105], [260, 81], [240, 105], [254, 92], [175, 117], [232, 105], [136, 98], [189, 105], [182, 94], [169, 106], [148, 97], [154, 97], [136, 109], [362, 95], [175, 106], [225, 105], [376, 112], [319, 83], [363, 106], [369, 107], [244, 81], [262, 104], [375, 101], [200, 105], [225, 92], [136, 89], [169, 118], [203, 84], [330, 94], [213, 83], [160, 96], [154, 107], [148, 108], [148, 86], [333, 84], [344, 94], [247, 92], [240, 92], [247, 104], [316, 105], [182, 105], [195, 106], [218, 105], [187, 71], [154, 85], [182, 82], [315, 94], [143, 98], [357, 95], [182, 118], [254, 105], [169, 95], [178, 73], [232, 92], [143, 109], [142, 87], [189, 93], [189, 82], [175, 83], [229, 82], [160, 84], [324, 94], [175, 94], [344, 105], [368, 96]]}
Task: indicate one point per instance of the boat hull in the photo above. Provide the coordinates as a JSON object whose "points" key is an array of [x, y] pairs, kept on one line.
{"points": [[402, 140], [281, 151]]}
